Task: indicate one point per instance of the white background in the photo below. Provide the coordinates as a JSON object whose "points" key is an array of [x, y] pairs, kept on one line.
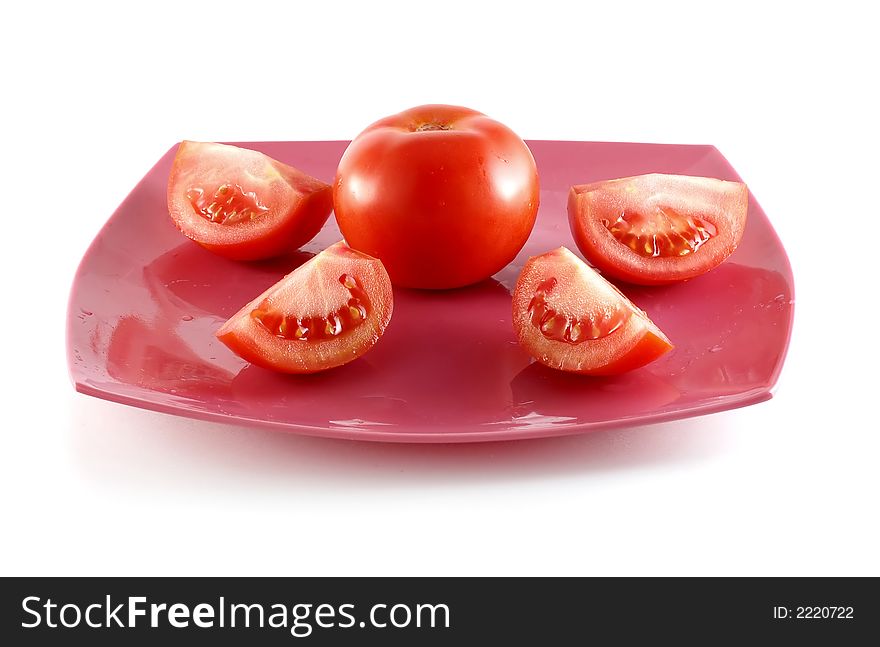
{"points": [[94, 94]]}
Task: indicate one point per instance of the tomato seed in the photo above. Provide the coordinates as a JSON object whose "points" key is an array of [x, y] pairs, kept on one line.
{"points": [[667, 234], [240, 206], [561, 327], [315, 328]]}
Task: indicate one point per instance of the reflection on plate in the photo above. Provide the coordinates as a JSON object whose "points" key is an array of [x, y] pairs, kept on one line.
{"points": [[146, 301]]}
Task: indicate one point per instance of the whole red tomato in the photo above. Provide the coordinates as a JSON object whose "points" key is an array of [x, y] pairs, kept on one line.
{"points": [[442, 195]]}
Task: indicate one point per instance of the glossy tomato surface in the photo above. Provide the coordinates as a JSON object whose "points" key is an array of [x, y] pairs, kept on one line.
{"points": [[655, 229], [443, 195], [327, 312], [242, 204], [570, 318]]}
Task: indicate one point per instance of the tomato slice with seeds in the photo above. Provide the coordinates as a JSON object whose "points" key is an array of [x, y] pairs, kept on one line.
{"points": [[327, 312], [656, 229], [243, 204], [570, 318]]}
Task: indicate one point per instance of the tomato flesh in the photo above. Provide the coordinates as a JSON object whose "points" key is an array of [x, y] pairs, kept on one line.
{"points": [[327, 312], [655, 229], [242, 204], [570, 318], [311, 328], [668, 233], [229, 205], [443, 195], [574, 329]]}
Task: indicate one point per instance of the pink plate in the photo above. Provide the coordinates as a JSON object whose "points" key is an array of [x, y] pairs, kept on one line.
{"points": [[146, 301]]}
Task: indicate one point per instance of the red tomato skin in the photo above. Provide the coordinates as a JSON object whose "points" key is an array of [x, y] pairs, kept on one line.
{"points": [[616, 260], [651, 347], [636, 343], [253, 343], [441, 208], [300, 205]]}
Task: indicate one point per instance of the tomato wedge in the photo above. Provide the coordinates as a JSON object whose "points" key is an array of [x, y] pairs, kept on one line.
{"points": [[327, 312], [656, 229], [243, 204], [570, 318]]}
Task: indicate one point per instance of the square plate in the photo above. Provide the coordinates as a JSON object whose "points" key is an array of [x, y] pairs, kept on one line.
{"points": [[146, 301]]}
